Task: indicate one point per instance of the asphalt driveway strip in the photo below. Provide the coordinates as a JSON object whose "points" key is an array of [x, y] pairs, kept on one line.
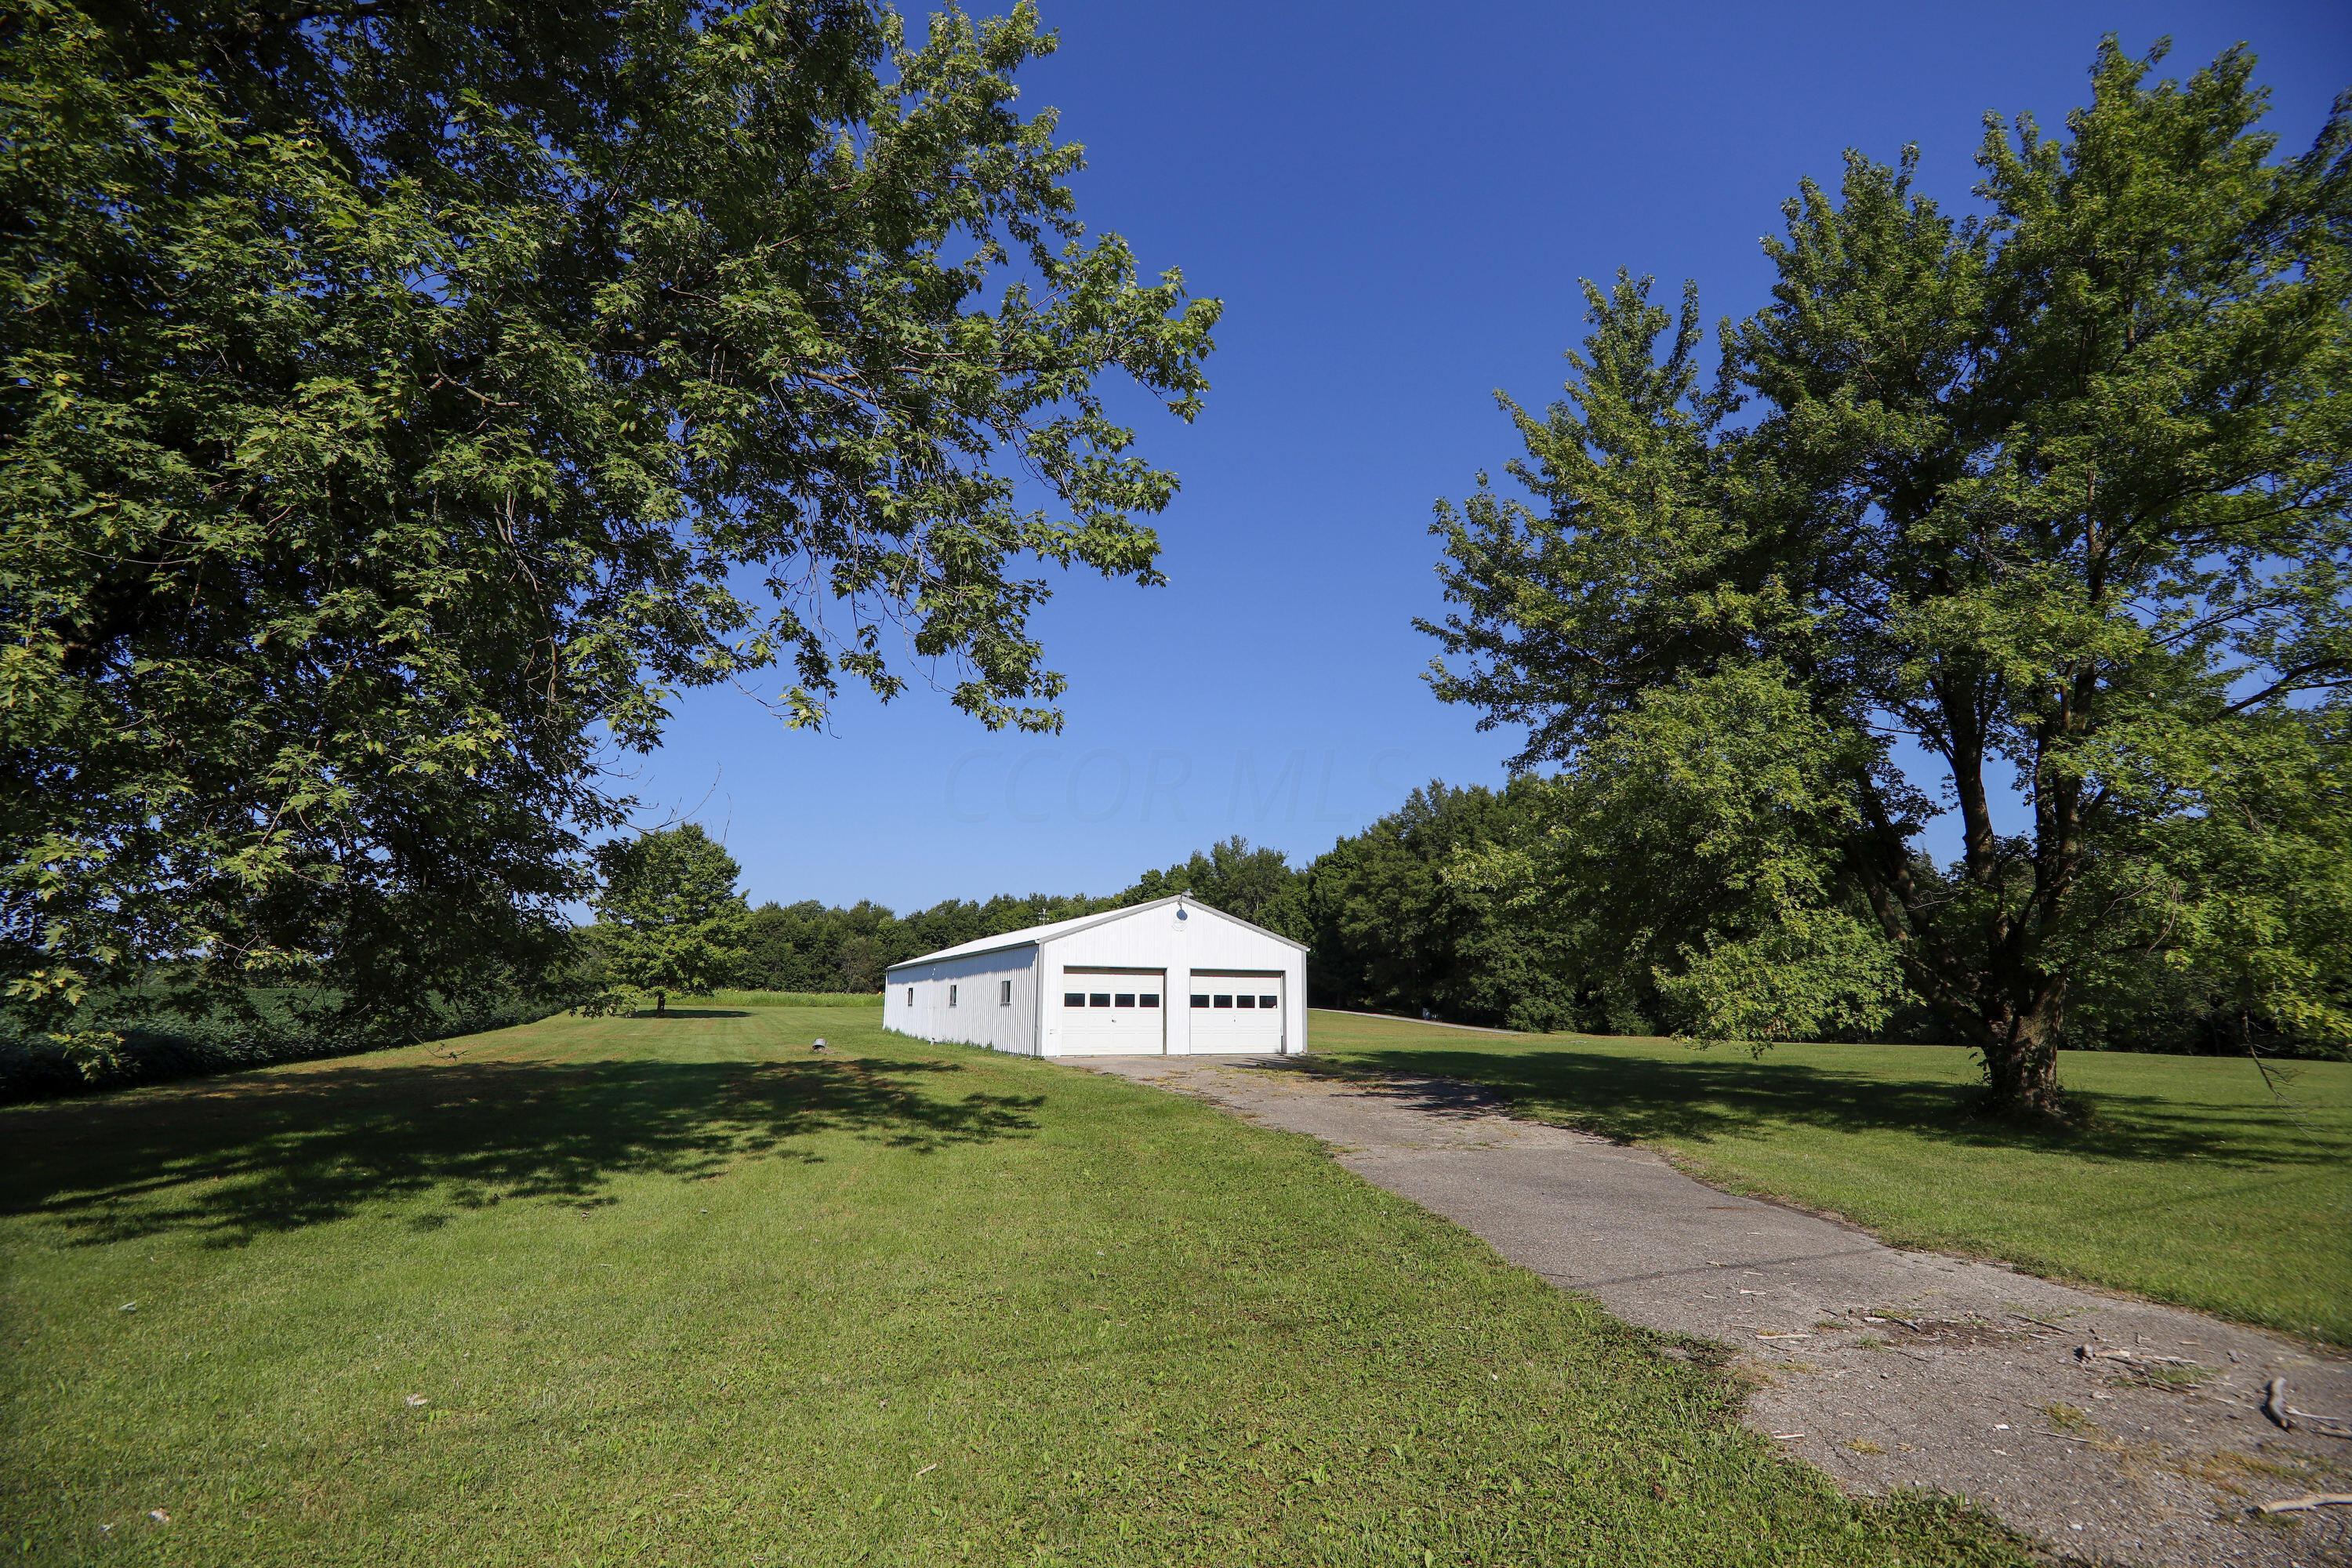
{"points": [[2111, 1429]]}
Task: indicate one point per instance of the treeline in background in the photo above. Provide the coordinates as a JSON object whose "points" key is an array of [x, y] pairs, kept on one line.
{"points": [[1433, 910], [1468, 905]]}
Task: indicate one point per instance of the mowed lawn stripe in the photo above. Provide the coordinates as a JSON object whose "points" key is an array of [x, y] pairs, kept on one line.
{"points": [[2193, 1180], [680, 1290]]}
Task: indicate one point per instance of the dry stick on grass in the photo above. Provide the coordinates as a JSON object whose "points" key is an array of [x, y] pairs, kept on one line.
{"points": [[2283, 1414], [2135, 1358], [2329, 1425], [2301, 1504]]}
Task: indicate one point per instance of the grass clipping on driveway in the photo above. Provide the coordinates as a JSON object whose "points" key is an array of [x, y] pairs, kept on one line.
{"points": [[677, 1291], [2192, 1182]]}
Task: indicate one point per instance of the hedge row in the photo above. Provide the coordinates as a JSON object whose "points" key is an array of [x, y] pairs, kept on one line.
{"points": [[158, 1047]]}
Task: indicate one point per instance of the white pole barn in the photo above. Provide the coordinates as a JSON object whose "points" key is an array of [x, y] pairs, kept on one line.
{"points": [[1171, 977]]}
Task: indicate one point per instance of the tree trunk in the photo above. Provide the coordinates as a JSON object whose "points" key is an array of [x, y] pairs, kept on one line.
{"points": [[2020, 1059], [2005, 1005], [661, 1004]]}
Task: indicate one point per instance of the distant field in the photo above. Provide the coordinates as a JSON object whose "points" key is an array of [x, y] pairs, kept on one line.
{"points": [[2191, 1184], [676, 1290], [786, 999]]}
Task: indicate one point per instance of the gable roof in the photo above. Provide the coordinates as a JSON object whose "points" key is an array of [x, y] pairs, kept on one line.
{"points": [[1030, 936]]}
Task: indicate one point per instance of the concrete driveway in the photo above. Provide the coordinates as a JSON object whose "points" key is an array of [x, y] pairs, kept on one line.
{"points": [[2050, 1406]]}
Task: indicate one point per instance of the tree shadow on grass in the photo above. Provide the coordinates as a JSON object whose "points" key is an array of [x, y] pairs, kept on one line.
{"points": [[277, 1151], [1708, 1095]]}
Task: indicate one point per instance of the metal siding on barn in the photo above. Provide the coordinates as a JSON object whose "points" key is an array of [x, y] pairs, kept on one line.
{"points": [[978, 1015]]}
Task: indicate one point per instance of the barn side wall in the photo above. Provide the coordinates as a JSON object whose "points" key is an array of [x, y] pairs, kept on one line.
{"points": [[978, 1016]]}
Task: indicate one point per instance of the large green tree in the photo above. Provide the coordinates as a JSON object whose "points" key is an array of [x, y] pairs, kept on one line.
{"points": [[668, 919], [1411, 915], [2056, 491], [399, 402]]}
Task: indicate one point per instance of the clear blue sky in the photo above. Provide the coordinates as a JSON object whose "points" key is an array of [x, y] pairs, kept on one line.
{"points": [[1395, 203]]}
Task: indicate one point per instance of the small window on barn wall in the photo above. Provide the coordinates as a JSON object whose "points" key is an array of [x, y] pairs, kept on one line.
{"points": [[1150, 999], [1126, 999], [1200, 998], [1245, 1001], [1222, 1002], [1004, 993], [1265, 1002], [1073, 998], [1098, 998], [952, 990]]}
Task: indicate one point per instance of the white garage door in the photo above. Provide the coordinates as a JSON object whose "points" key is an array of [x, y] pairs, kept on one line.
{"points": [[1111, 1013], [1235, 1011]]}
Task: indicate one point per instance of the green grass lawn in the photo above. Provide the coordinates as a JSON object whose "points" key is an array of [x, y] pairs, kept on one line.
{"points": [[679, 1291], [2191, 1184]]}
